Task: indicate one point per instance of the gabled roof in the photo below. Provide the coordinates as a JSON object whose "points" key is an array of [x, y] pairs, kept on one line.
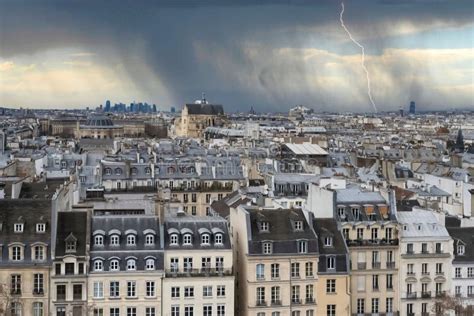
{"points": [[204, 109]]}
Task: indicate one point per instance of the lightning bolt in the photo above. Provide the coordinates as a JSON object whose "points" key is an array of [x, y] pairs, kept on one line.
{"points": [[369, 91]]}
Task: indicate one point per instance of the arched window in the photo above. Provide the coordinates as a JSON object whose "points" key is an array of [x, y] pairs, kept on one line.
{"points": [[131, 265], [218, 239], [99, 240], [114, 240], [108, 171], [260, 271], [98, 265], [205, 239], [174, 239], [131, 240], [118, 171], [147, 170], [150, 264], [149, 240], [114, 265], [134, 171], [187, 239]]}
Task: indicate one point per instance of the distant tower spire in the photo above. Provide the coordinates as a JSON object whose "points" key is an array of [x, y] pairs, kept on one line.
{"points": [[203, 100]]}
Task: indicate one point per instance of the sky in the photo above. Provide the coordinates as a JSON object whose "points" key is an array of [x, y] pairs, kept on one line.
{"points": [[267, 54]]}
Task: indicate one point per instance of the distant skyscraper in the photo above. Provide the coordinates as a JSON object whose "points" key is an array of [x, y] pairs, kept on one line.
{"points": [[412, 107], [401, 112], [173, 109], [107, 106]]}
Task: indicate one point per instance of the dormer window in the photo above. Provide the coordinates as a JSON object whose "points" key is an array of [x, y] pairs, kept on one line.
{"points": [[98, 265], [118, 171], [205, 239], [149, 240], [41, 228], [134, 171], [328, 241], [298, 225], [114, 265], [218, 239], [173, 239], [99, 240], [71, 243], [461, 250], [38, 252], [131, 265], [17, 253], [264, 226], [18, 227], [331, 262], [150, 264], [187, 239], [131, 240], [267, 248], [108, 171], [302, 246], [147, 170], [355, 213], [114, 240]]}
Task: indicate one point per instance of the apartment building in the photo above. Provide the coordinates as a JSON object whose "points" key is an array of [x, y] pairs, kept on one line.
{"points": [[333, 291], [371, 231], [463, 268], [426, 253], [199, 277], [126, 260], [25, 256], [277, 262], [70, 264]]}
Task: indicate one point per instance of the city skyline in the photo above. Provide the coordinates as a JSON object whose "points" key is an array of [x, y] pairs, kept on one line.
{"points": [[270, 56]]}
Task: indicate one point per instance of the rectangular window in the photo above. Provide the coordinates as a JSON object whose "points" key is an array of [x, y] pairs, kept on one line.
{"points": [[114, 288], [295, 294], [207, 310], [61, 292], [457, 272], [114, 311], [375, 305], [131, 289], [375, 282], [131, 311], [150, 288], [38, 309], [220, 310], [15, 284], [275, 269], [38, 283], [150, 311], [389, 281], [439, 268], [221, 291], [175, 292], [174, 310], [98, 312], [470, 272], [295, 270], [189, 291], [331, 286], [188, 311], [77, 292], [331, 310], [424, 268], [389, 305], [260, 295], [360, 306], [69, 268], [309, 269], [207, 291], [98, 290], [276, 295]]}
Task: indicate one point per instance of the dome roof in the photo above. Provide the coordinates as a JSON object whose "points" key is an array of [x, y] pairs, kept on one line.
{"points": [[99, 121]]}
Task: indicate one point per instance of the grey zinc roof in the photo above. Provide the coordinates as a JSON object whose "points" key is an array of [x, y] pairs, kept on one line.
{"points": [[463, 236], [74, 223], [204, 109], [356, 195], [421, 223]]}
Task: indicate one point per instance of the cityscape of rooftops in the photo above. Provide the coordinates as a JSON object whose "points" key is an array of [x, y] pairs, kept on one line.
{"points": [[237, 157]]}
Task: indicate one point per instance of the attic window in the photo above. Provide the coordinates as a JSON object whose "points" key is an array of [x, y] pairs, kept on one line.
{"points": [[327, 241], [461, 250], [18, 228], [418, 226], [40, 228], [71, 246], [298, 225], [264, 226]]}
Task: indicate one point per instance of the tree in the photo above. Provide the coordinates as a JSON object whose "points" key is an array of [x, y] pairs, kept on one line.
{"points": [[5, 299], [445, 304]]}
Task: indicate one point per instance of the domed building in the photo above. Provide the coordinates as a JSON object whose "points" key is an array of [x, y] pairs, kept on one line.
{"points": [[99, 127]]}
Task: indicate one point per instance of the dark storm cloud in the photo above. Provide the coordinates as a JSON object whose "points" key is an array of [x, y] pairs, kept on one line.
{"points": [[164, 35]]}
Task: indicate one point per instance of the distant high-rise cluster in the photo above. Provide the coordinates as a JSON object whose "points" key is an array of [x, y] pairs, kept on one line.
{"points": [[132, 108]]}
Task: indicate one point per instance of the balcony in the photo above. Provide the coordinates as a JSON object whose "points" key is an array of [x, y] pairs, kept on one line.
{"points": [[276, 303], [391, 265], [260, 303], [439, 272], [376, 265], [38, 292], [371, 242], [310, 300], [411, 296], [361, 265], [470, 295], [440, 293], [411, 273], [426, 294], [61, 297], [458, 295], [425, 273], [15, 291], [296, 301], [198, 272]]}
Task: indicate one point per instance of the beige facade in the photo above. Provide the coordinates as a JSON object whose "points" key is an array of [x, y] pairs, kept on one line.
{"points": [[374, 254], [334, 289], [191, 284], [27, 290], [195, 118]]}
